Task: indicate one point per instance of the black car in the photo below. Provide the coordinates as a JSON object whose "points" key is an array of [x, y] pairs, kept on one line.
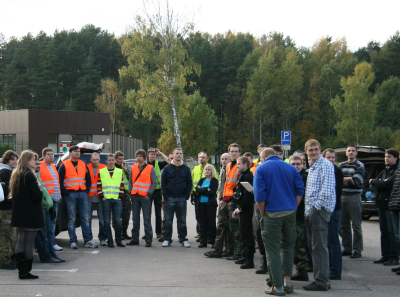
{"points": [[373, 158]]}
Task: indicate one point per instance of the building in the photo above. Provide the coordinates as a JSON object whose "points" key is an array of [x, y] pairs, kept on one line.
{"points": [[36, 129]]}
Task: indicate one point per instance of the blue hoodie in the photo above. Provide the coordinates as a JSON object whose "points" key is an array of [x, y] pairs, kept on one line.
{"points": [[277, 183]]}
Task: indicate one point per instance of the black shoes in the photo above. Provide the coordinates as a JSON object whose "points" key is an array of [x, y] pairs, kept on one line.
{"points": [[53, 260], [263, 268], [148, 244], [110, 244], [233, 258], [132, 242], [212, 255], [344, 253], [202, 245], [380, 261], [125, 235], [396, 269], [398, 272], [240, 261], [335, 277], [301, 275], [61, 260], [315, 287], [391, 262], [356, 255], [227, 254], [120, 244], [248, 264], [144, 236]]}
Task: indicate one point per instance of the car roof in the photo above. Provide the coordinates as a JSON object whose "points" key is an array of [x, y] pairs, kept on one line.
{"points": [[366, 154]]}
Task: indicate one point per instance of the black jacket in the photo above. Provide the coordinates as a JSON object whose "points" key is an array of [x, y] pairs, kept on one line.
{"points": [[384, 184], [176, 181], [211, 191], [5, 176], [27, 210], [246, 201], [301, 207], [339, 186]]}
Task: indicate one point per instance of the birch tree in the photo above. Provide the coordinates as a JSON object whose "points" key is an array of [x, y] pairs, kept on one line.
{"points": [[159, 60]]}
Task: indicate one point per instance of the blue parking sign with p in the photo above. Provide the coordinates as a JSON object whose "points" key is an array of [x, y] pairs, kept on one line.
{"points": [[285, 137]]}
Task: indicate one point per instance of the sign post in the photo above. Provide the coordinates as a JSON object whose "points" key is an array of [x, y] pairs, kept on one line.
{"points": [[286, 140]]}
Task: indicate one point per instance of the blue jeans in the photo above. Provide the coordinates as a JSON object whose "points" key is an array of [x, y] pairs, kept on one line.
{"points": [[181, 207], [43, 241], [54, 223], [74, 201], [140, 202], [396, 227], [114, 206], [388, 237], [99, 206], [335, 251]]}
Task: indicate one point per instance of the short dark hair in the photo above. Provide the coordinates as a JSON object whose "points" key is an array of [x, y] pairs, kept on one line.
{"points": [[8, 155], [261, 145], [351, 145], [245, 160], [118, 154], [328, 150], [203, 152], [233, 145], [141, 152], [277, 148], [46, 150], [109, 155], [73, 148], [248, 154], [394, 153]]}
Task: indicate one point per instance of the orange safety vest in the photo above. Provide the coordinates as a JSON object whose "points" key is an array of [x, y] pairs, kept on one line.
{"points": [[75, 179], [231, 177], [142, 185], [47, 178], [93, 187]]}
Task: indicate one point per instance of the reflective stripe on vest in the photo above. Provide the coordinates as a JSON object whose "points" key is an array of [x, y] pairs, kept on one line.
{"points": [[197, 174], [75, 179], [94, 179], [231, 180], [143, 184], [111, 185], [47, 178]]}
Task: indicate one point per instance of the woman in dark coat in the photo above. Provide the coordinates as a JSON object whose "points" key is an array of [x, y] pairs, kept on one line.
{"points": [[27, 213], [207, 206]]}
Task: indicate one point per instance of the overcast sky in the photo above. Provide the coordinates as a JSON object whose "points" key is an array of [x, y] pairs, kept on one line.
{"points": [[304, 21]]}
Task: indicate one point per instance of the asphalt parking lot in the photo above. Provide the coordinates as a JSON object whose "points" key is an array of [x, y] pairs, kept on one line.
{"points": [[179, 271]]}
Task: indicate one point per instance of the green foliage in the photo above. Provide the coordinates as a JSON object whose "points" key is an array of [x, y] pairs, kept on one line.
{"points": [[388, 111]]}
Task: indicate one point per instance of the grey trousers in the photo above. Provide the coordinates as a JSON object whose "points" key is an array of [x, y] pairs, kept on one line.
{"points": [[317, 238], [140, 202], [351, 219]]}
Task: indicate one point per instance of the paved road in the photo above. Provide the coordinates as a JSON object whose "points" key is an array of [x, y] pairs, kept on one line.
{"points": [[178, 271]]}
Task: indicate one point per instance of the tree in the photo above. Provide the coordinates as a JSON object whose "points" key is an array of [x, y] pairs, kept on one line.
{"points": [[388, 111], [356, 112], [159, 60]]}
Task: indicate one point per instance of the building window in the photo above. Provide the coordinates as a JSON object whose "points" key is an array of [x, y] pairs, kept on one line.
{"points": [[53, 142], [81, 138], [7, 142]]}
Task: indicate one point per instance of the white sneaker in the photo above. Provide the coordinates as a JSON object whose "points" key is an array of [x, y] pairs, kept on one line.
{"points": [[103, 243], [186, 244], [57, 248], [90, 244], [74, 246], [166, 243]]}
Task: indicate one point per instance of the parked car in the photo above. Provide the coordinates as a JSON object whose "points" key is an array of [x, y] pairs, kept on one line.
{"points": [[86, 149], [129, 163], [373, 158]]}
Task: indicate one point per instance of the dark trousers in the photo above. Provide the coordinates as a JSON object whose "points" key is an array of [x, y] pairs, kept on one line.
{"points": [[43, 238], [156, 199], [246, 232], [335, 251], [396, 227], [172, 204], [141, 203], [388, 237], [114, 207], [206, 215], [351, 221]]}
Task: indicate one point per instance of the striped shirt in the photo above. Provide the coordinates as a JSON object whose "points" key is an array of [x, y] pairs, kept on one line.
{"points": [[321, 187], [56, 194], [100, 187], [356, 171]]}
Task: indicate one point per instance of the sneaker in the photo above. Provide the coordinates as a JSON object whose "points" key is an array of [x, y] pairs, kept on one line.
{"points": [[74, 246], [90, 244], [166, 243], [271, 291], [314, 287], [57, 248], [197, 236], [186, 244], [103, 243]]}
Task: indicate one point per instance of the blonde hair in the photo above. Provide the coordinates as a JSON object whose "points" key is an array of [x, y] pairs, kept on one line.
{"points": [[311, 142], [22, 170], [210, 166]]}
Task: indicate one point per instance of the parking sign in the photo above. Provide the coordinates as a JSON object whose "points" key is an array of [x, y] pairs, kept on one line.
{"points": [[286, 137]]}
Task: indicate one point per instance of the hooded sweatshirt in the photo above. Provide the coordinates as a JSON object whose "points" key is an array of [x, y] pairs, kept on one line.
{"points": [[5, 176]]}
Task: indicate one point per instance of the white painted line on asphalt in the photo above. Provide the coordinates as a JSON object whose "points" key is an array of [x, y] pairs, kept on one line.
{"points": [[57, 270], [80, 252]]}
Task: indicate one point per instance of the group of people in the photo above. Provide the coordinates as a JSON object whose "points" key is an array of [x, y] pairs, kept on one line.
{"points": [[293, 210]]}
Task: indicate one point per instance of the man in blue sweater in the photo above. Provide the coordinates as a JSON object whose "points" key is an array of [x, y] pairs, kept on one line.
{"points": [[278, 189]]}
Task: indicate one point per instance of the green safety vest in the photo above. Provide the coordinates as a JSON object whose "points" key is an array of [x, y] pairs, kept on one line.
{"points": [[111, 185], [126, 180], [197, 174], [158, 173]]}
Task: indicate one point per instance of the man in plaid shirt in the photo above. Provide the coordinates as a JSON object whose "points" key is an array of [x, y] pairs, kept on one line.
{"points": [[320, 201]]}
